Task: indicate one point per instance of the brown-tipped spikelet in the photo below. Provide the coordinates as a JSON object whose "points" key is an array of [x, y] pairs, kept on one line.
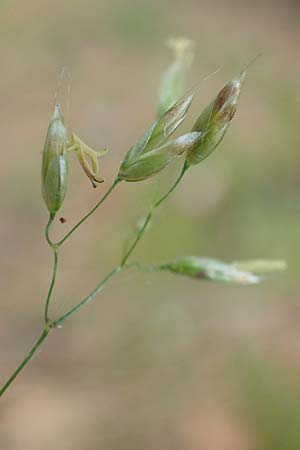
{"points": [[215, 119], [152, 152], [55, 163]]}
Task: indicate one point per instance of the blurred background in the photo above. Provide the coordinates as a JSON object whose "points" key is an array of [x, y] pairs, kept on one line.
{"points": [[158, 361]]}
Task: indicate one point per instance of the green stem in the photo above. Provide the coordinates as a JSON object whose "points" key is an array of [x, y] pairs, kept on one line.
{"points": [[138, 237], [150, 213], [172, 188], [47, 230], [90, 297], [118, 269], [139, 266], [55, 253], [26, 359], [111, 188], [46, 313], [98, 288]]}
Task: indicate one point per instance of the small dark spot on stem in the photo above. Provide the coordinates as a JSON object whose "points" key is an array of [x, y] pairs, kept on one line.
{"points": [[201, 275]]}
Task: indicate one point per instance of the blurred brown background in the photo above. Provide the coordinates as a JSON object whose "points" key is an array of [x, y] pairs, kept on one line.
{"points": [[158, 361]]}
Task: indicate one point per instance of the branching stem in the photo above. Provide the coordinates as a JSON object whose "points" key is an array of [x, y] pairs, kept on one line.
{"points": [[87, 299], [49, 325]]}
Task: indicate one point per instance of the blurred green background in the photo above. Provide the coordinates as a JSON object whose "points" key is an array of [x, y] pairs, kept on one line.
{"points": [[158, 361]]}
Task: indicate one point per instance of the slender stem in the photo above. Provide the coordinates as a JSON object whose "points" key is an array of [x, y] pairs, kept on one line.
{"points": [[138, 237], [26, 359], [107, 193], [53, 279], [55, 254], [150, 213], [163, 198], [47, 230], [137, 265], [118, 269], [90, 297], [98, 288]]}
